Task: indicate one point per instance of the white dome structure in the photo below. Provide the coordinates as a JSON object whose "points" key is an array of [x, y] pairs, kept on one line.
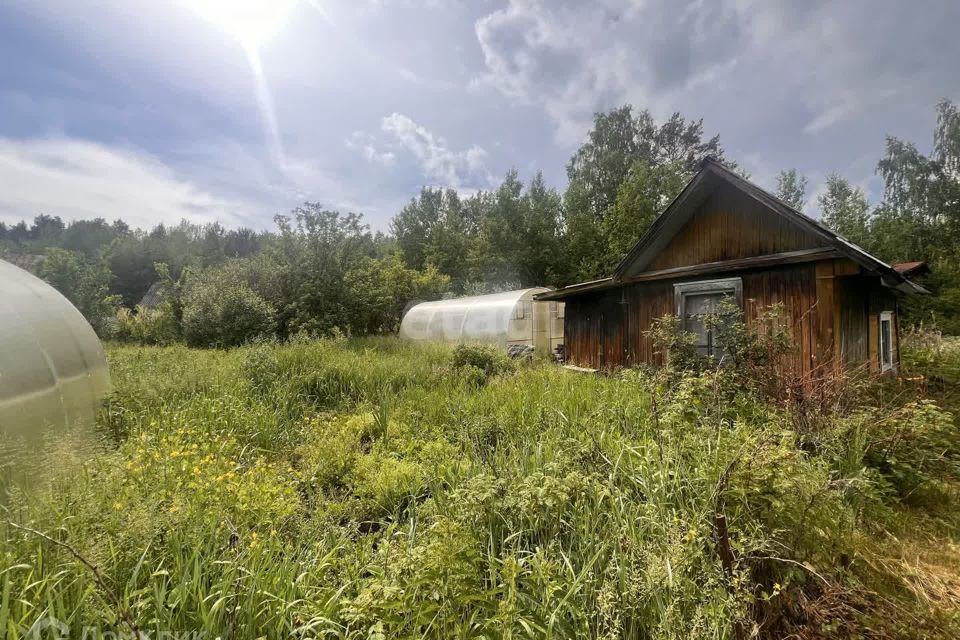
{"points": [[508, 318], [53, 370]]}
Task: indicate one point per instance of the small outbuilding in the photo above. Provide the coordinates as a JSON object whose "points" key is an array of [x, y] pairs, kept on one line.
{"points": [[724, 237], [508, 318]]}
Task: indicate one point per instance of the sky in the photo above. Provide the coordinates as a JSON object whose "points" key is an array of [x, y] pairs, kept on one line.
{"points": [[167, 110]]}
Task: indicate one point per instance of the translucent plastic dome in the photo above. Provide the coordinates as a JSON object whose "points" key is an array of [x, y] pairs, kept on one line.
{"points": [[53, 371], [511, 317]]}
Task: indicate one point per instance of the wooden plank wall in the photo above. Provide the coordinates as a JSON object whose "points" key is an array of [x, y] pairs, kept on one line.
{"points": [[862, 300], [834, 317], [730, 225], [854, 320], [795, 287], [608, 330]]}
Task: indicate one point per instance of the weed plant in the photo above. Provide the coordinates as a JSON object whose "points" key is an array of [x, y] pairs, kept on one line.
{"points": [[371, 488]]}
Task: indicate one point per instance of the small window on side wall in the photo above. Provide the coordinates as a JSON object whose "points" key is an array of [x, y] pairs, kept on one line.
{"points": [[695, 301], [886, 341]]}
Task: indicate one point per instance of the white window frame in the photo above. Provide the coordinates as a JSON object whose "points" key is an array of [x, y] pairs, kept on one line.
{"points": [[885, 365], [681, 290]]}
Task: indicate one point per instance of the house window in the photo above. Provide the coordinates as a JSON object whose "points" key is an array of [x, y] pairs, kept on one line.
{"points": [[694, 301], [886, 341]]}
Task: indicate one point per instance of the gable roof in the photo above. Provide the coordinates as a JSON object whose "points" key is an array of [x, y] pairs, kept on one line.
{"points": [[153, 297], [711, 175]]}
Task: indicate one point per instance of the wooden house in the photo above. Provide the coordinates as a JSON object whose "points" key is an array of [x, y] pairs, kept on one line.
{"points": [[724, 236]]}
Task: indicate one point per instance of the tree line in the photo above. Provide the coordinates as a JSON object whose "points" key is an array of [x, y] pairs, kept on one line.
{"points": [[323, 271]]}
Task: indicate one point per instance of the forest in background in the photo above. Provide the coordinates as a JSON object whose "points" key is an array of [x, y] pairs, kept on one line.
{"points": [[323, 272]]}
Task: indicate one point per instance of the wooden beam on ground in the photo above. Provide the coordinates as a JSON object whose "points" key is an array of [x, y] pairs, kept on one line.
{"points": [[571, 367]]}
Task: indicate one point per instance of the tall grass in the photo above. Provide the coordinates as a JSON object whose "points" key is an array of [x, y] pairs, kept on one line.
{"points": [[375, 489]]}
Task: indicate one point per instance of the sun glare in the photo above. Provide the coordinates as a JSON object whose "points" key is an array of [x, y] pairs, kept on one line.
{"points": [[252, 22]]}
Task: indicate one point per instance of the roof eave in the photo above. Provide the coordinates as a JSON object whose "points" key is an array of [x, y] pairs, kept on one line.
{"points": [[576, 289]]}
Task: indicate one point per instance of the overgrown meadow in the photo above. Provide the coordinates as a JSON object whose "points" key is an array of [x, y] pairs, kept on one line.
{"points": [[376, 489]]}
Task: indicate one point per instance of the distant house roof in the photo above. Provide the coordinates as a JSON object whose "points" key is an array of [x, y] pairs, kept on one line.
{"points": [[912, 269], [711, 174], [153, 297], [26, 261]]}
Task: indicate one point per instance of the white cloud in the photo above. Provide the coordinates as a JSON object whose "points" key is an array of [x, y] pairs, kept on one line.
{"points": [[464, 168], [76, 179], [833, 61], [575, 58], [554, 55], [363, 142]]}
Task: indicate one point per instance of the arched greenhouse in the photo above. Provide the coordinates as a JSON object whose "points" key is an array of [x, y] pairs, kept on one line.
{"points": [[53, 371], [508, 318]]}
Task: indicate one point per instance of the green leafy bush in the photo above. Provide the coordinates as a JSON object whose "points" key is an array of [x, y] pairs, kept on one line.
{"points": [[490, 360], [929, 354], [385, 484], [754, 351], [911, 446], [84, 282], [157, 326], [224, 315], [674, 345]]}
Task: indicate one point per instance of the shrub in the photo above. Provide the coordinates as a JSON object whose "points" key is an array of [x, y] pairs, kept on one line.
{"points": [[147, 326], [755, 349], [385, 484], [911, 446], [755, 345], [379, 290], [674, 345], [335, 447], [85, 283], [488, 359], [225, 315], [928, 353]]}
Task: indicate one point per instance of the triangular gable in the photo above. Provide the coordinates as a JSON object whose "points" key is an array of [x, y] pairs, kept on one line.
{"points": [[729, 225], [693, 207]]}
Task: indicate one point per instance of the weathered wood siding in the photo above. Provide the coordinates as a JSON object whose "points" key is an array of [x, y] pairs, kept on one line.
{"points": [[730, 225], [854, 320], [609, 329], [863, 299], [832, 308]]}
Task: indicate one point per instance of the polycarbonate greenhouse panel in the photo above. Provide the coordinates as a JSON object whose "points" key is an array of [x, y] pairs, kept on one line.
{"points": [[499, 318], [53, 370]]}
